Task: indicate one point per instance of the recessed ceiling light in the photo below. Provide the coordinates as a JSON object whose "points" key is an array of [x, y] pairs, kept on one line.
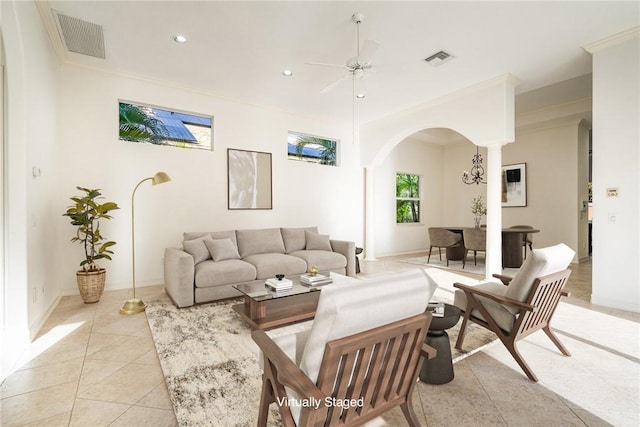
{"points": [[287, 73], [360, 95], [180, 39]]}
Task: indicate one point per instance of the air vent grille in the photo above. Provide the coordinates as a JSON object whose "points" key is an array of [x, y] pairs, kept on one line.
{"points": [[81, 36], [439, 58]]}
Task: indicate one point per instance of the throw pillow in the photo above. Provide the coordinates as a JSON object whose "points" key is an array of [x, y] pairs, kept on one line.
{"points": [[197, 248], [222, 249], [317, 241]]}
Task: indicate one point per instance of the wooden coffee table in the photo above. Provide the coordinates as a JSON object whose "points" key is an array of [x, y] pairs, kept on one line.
{"points": [[265, 309]]}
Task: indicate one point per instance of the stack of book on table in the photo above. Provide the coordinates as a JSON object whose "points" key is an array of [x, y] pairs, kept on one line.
{"points": [[436, 309], [317, 280], [279, 285]]}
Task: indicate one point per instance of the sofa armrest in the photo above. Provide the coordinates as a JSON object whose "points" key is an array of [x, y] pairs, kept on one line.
{"points": [[179, 272], [348, 249]]}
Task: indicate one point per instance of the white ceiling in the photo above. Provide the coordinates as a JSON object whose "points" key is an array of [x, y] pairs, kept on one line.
{"points": [[239, 49]]}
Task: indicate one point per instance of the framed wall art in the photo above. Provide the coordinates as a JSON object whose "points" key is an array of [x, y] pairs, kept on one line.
{"points": [[249, 179], [514, 185]]}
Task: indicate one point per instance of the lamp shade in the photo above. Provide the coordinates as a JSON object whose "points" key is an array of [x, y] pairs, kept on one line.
{"points": [[160, 178]]}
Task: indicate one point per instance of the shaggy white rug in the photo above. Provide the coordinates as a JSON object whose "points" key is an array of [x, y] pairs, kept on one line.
{"points": [[210, 362]]}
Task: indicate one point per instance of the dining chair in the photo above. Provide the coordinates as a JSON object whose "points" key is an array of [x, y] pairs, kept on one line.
{"points": [[475, 239], [442, 238], [527, 240], [519, 306]]}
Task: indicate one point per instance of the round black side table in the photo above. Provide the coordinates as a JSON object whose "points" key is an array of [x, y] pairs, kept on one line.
{"points": [[439, 370]]}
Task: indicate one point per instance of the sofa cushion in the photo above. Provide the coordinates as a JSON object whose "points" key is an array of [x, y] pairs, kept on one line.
{"points": [[268, 265], [324, 260], [211, 273], [197, 248], [231, 234], [317, 241], [221, 249], [294, 239], [264, 241]]}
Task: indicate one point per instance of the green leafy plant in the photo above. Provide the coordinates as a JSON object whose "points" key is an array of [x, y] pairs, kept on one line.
{"points": [[478, 209], [85, 214], [327, 152]]}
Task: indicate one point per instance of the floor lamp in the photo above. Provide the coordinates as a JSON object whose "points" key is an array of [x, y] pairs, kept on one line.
{"points": [[135, 305]]}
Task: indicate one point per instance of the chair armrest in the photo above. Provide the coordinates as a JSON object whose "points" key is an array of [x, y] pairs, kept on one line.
{"points": [[348, 249], [497, 298], [179, 272], [565, 293], [504, 279], [287, 372], [428, 352]]}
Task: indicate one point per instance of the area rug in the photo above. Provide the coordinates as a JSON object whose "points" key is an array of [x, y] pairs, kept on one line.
{"points": [[469, 268], [210, 362]]}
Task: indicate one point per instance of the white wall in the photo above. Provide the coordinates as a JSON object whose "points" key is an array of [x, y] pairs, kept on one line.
{"points": [[91, 155], [29, 290], [419, 158], [616, 156], [551, 155]]}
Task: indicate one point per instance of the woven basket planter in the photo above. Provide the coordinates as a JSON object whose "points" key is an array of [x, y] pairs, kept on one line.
{"points": [[91, 284]]}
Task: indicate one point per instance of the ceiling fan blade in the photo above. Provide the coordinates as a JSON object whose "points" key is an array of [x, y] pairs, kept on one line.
{"points": [[369, 48], [322, 64], [334, 83]]}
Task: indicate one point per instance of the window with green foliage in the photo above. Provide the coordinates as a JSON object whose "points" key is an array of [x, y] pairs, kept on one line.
{"points": [[407, 198]]}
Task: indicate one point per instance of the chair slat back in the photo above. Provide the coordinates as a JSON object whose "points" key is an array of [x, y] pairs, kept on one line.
{"points": [[377, 367], [545, 296]]}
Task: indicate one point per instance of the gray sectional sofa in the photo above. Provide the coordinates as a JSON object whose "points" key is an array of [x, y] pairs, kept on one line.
{"points": [[209, 263]]}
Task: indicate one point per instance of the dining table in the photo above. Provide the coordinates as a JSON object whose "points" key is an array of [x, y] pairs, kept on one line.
{"points": [[512, 242]]}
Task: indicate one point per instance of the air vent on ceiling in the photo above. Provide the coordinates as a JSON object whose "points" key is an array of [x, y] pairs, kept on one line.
{"points": [[80, 36], [439, 58]]}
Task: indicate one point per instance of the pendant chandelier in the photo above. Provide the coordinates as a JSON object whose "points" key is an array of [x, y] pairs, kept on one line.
{"points": [[477, 171]]}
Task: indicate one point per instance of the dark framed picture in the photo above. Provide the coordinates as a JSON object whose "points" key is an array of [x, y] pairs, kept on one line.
{"points": [[514, 185]]}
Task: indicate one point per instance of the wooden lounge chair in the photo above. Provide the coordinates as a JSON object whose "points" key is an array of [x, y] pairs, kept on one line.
{"points": [[520, 306], [361, 357]]}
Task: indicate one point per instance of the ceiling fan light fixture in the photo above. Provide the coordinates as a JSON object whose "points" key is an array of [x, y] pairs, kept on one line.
{"points": [[287, 73], [361, 96]]}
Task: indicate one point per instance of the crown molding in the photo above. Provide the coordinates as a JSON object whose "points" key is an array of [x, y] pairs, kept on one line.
{"points": [[613, 40]]}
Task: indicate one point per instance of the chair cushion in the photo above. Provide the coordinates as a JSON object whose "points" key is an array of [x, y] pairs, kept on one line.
{"points": [[294, 239], [503, 317], [211, 273], [348, 308], [324, 260], [268, 265], [221, 249], [541, 262], [197, 248], [317, 241], [264, 241]]}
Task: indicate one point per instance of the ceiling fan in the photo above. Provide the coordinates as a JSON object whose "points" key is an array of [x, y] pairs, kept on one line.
{"points": [[357, 66]]}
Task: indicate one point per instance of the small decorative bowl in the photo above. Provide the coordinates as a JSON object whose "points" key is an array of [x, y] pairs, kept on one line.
{"points": [[279, 276]]}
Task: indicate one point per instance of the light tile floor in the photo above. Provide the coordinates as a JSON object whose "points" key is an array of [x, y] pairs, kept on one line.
{"points": [[91, 366]]}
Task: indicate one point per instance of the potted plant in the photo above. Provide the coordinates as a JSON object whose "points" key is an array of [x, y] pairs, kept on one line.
{"points": [[478, 209], [85, 214]]}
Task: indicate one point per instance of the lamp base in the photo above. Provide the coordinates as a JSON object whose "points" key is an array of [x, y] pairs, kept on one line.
{"points": [[133, 306]]}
